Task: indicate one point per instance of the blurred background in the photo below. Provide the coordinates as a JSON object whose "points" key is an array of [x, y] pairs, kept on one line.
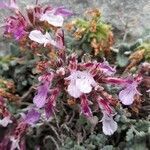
{"points": [[130, 19]]}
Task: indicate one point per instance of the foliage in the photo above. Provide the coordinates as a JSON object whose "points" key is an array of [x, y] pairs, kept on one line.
{"points": [[67, 96]]}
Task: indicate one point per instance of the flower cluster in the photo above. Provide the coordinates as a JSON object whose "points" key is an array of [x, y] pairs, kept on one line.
{"points": [[63, 74], [85, 81]]}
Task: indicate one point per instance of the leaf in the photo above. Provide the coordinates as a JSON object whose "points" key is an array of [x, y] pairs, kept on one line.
{"points": [[14, 50], [122, 60]]}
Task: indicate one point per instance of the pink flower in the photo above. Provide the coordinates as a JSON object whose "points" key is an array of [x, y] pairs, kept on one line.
{"points": [[5, 121], [15, 143], [11, 5], [51, 18], [46, 38], [80, 82], [55, 16], [130, 88], [63, 12], [85, 109], [106, 68], [32, 117], [109, 126], [148, 91], [73, 63], [40, 99], [51, 102], [16, 26], [127, 94]]}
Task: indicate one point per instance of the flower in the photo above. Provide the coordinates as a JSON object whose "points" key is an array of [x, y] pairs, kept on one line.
{"points": [[130, 88], [32, 117], [127, 94], [15, 143], [63, 11], [16, 26], [109, 126], [51, 102], [55, 16], [80, 82], [51, 18], [85, 109], [5, 121], [11, 5], [40, 99], [45, 39], [106, 68]]}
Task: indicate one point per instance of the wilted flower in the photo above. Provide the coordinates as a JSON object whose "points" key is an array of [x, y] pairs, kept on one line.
{"points": [[80, 82]]}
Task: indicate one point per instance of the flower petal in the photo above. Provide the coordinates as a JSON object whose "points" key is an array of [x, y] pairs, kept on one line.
{"points": [[73, 90], [83, 85], [40, 99], [37, 36], [55, 20], [127, 96], [32, 117], [85, 109], [109, 125], [5, 121], [63, 12]]}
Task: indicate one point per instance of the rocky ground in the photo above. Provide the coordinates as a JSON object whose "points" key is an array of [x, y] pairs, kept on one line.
{"points": [[130, 19]]}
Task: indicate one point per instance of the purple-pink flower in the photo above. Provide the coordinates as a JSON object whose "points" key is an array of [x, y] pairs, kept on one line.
{"points": [[5, 121], [16, 26], [39, 37], [80, 82], [109, 126], [32, 117], [11, 5], [40, 98], [51, 102], [55, 16], [129, 88], [127, 94], [106, 68], [85, 109]]}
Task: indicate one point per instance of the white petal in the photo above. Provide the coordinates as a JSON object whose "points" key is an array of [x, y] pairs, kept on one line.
{"points": [[109, 125], [74, 91], [15, 143], [55, 20], [83, 85], [127, 96], [5, 121], [37, 36]]}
